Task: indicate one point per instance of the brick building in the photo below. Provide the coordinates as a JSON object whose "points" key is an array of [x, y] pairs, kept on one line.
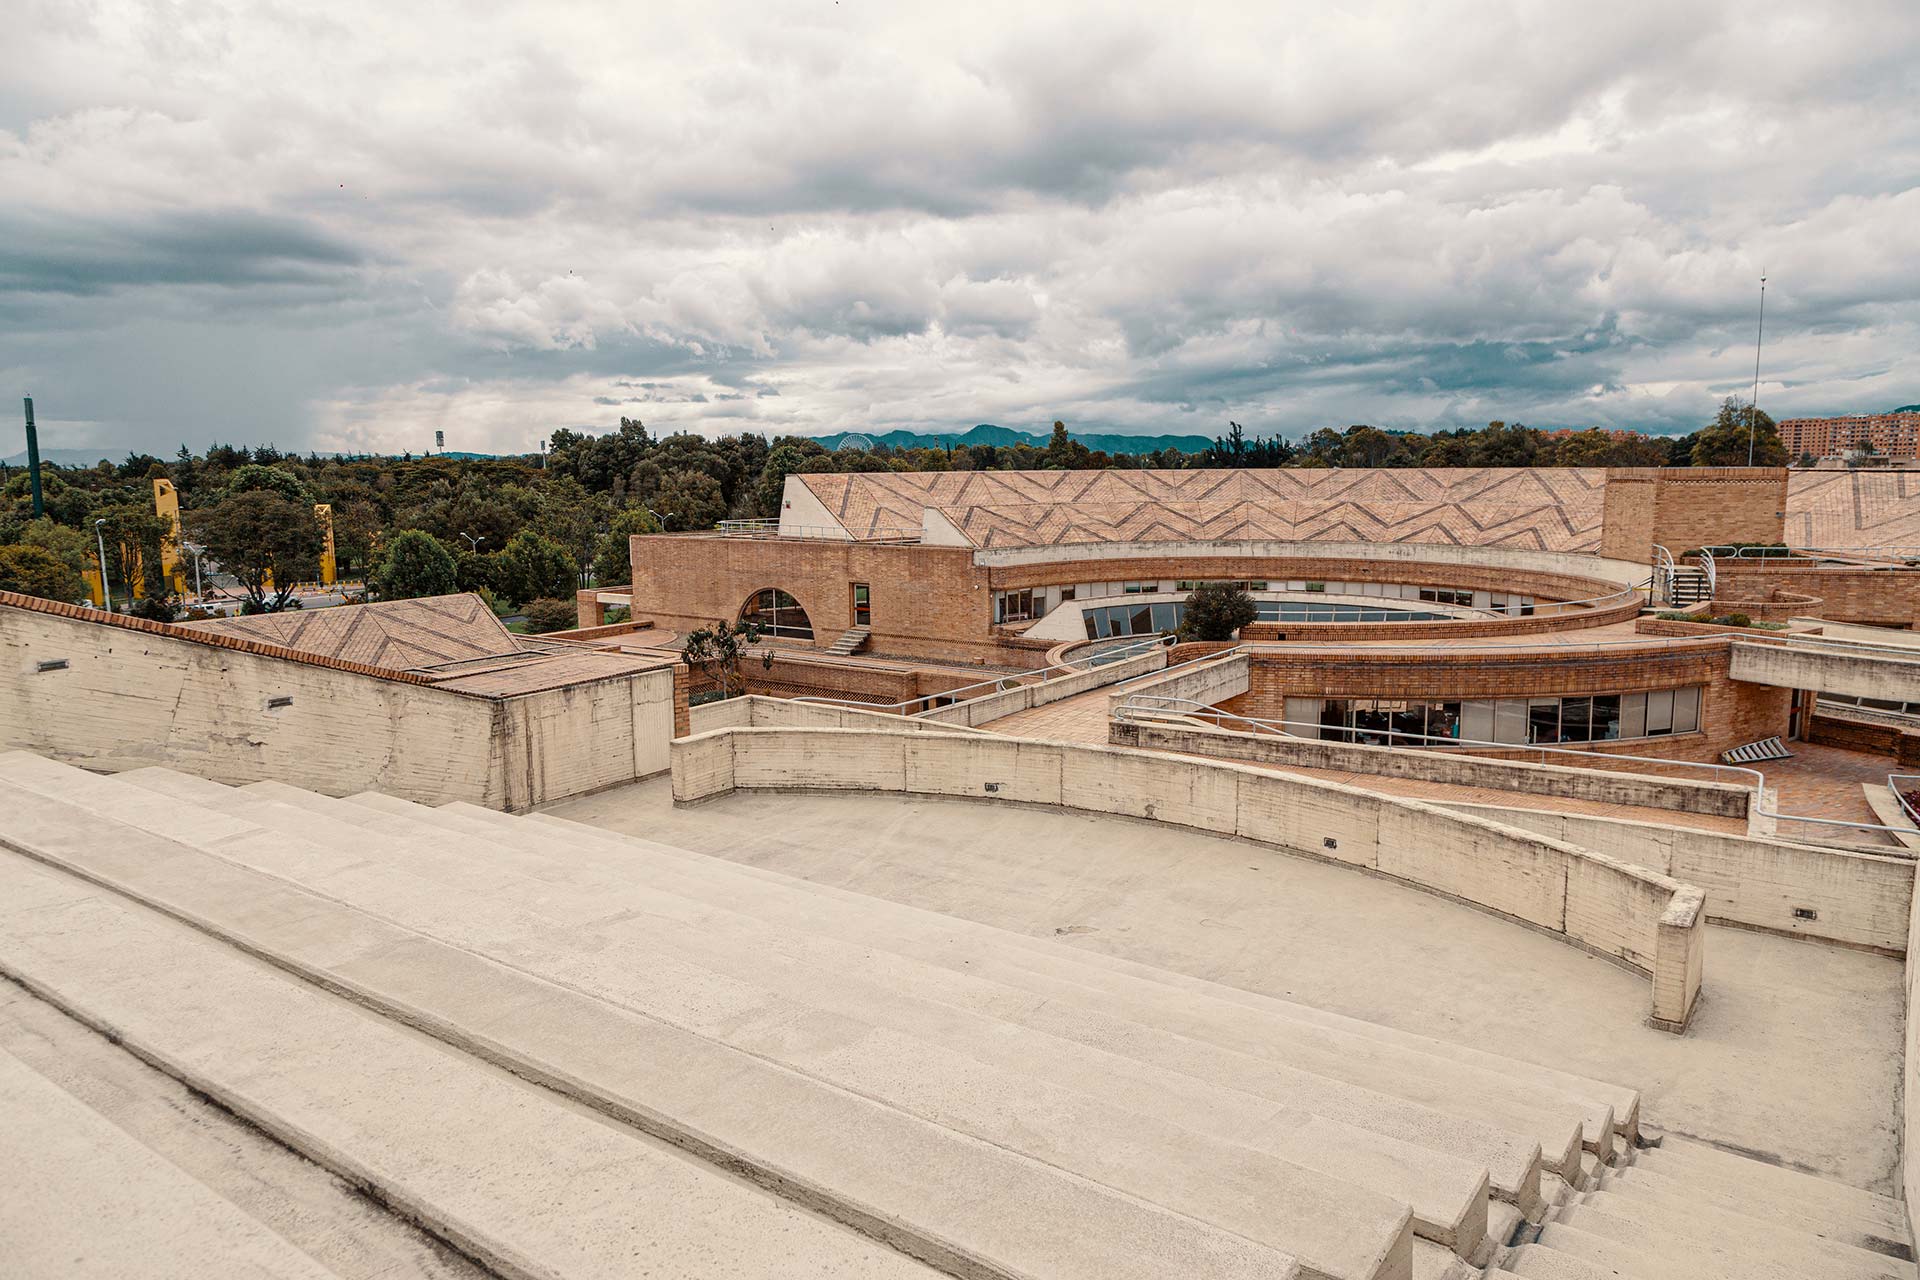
{"points": [[1891, 435]]}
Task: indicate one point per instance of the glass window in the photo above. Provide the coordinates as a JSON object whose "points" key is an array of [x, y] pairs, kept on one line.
{"points": [[1686, 709], [862, 604], [1476, 721], [1606, 717], [1166, 617], [1411, 721], [1659, 712], [1333, 720], [1543, 720], [1142, 620], [1510, 720], [1093, 620], [1576, 719], [1633, 715], [778, 613]]}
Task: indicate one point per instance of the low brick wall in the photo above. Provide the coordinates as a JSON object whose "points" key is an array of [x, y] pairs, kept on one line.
{"points": [[1465, 629], [1857, 735], [1778, 606], [1853, 899], [1636, 917], [1640, 790]]}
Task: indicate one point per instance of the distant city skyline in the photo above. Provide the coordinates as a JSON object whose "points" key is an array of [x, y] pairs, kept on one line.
{"points": [[341, 230]]}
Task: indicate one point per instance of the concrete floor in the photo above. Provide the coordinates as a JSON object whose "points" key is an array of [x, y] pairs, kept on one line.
{"points": [[1795, 1051]]}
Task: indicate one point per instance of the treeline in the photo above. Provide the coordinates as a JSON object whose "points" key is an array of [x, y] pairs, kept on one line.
{"points": [[534, 528]]}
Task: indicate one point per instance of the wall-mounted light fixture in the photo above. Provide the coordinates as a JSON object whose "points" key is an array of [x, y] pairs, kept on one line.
{"points": [[51, 664], [284, 700]]}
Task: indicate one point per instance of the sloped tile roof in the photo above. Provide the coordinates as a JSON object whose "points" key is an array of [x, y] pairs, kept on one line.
{"points": [[397, 635], [1558, 509], [1842, 510]]}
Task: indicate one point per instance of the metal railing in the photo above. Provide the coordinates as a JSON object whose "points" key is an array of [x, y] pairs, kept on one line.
{"points": [[1713, 574], [1894, 781], [1136, 708], [998, 684], [1660, 585], [1149, 707], [768, 528]]}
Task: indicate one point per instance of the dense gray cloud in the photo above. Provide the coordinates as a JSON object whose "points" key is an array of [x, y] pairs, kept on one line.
{"points": [[346, 226]]}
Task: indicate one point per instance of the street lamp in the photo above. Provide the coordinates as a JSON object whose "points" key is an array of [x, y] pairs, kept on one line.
{"points": [[1753, 405], [196, 550], [99, 540], [473, 543]]}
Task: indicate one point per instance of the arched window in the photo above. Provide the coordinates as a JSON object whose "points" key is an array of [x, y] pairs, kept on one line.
{"points": [[778, 613]]}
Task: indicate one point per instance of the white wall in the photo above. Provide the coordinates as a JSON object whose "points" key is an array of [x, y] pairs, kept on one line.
{"points": [[1635, 916]]}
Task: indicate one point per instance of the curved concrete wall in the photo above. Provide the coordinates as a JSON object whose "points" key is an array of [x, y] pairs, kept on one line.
{"points": [[1622, 573], [1638, 918]]}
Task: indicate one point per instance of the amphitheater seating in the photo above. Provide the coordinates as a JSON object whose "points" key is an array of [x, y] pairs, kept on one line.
{"points": [[985, 1102]]}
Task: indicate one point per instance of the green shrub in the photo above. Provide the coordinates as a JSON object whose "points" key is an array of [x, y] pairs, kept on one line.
{"points": [[550, 615]]}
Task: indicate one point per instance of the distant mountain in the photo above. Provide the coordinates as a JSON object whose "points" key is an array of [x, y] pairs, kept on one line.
{"points": [[67, 457], [1908, 408], [988, 434]]}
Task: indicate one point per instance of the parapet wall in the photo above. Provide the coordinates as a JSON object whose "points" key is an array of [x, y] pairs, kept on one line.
{"points": [[127, 697], [1714, 799], [755, 711], [1005, 702], [1859, 900], [1636, 917]]}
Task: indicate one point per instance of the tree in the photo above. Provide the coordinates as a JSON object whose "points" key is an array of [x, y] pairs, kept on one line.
{"points": [[70, 546], [253, 477], [1724, 442], [716, 652], [612, 561], [690, 500], [790, 456], [260, 537], [551, 615], [414, 565], [135, 538], [35, 571], [1215, 611], [531, 567]]}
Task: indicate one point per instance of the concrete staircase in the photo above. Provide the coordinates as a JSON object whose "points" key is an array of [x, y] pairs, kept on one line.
{"points": [[851, 641], [986, 1103]]}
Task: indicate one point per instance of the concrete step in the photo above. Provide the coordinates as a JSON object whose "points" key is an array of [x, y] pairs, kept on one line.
{"points": [[322, 1216], [1470, 1091], [85, 1200], [1192, 1083], [1668, 1258], [972, 977], [1300, 1169], [794, 1129], [1726, 1234], [479, 1158], [1542, 1262], [1596, 1096], [1760, 1203], [1713, 1249], [1593, 1098], [1724, 1174]]}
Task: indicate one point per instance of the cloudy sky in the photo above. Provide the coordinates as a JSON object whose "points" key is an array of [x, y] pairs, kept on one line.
{"points": [[344, 225]]}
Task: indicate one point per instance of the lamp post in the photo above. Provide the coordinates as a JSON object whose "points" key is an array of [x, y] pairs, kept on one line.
{"points": [[473, 543], [195, 549], [100, 541], [1753, 405]]}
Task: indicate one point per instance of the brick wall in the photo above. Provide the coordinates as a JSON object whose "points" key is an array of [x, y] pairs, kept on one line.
{"points": [[1732, 712], [1544, 586], [1705, 506], [1875, 597], [1858, 735], [927, 601]]}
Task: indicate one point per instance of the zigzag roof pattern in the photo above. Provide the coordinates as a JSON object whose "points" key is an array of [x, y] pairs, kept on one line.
{"points": [[397, 635], [1559, 509], [1842, 510]]}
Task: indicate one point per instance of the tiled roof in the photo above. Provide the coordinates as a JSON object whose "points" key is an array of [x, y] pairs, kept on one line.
{"points": [[1557, 509], [1840, 510], [396, 635]]}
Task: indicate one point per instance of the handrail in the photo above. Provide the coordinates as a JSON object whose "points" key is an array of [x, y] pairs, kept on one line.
{"points": [[1713, 576], [1900, 797], [1000, 683], [1759, 779], [1129, 711], [1663, 572], [1842, 645]]}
